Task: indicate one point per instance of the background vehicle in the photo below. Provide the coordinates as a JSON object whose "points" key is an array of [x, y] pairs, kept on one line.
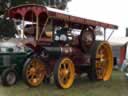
{"points": [[61, 51], [12, 54], [123, 53]]}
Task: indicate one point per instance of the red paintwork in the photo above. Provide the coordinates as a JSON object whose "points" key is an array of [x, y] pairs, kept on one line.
{"points": [[38, 10], [122, 54], [31, 11]]}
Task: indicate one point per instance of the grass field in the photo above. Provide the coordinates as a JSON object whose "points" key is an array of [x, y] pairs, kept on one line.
{"points": [[117, 86]]}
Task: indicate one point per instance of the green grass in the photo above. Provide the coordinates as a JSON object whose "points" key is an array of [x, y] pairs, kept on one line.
{"points": [[116, 86]]}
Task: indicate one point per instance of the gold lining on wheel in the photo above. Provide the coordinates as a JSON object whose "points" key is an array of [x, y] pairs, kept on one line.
{"points": [[104, 61], [66, 73], [35, 72]]}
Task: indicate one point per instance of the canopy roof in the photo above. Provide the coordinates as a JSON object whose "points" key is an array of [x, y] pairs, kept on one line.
{"points": [[39, 10]]}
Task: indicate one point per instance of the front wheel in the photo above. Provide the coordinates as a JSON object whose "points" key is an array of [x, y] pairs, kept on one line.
{"points": [[9, 77], [64, 72], [101, 61], [34, 72]]}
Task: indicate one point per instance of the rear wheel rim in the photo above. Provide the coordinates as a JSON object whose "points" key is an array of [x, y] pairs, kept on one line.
{"points": [[35, 72], [66, 73], [104, 61]]}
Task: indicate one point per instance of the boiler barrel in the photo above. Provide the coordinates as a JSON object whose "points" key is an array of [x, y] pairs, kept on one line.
{"points": [[57, 51]]}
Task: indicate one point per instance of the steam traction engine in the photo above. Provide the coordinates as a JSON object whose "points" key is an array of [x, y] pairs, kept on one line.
{"points": [[62, 44]]}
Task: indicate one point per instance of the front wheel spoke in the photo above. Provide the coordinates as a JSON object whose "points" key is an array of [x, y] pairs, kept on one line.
{"points": [[61, 72], [64, 75], [65, 66], [68, 68], [31, 77], [68, 75], [29, 74], [62, 79], [31, 71]]}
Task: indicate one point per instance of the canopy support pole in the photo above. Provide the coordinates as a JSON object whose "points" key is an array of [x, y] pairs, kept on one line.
{"points": [[23, 26], [37, 27], [110, 35], [104, 34]]}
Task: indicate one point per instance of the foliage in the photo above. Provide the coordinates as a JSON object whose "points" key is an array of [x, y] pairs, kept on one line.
{"points": [[7, 28], [60, 4]]}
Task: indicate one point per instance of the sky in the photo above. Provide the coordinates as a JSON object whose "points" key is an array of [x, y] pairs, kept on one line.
{"points": [[109, 11]]}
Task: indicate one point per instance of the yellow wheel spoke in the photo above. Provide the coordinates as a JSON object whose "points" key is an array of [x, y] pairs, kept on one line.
{"points": [[104, 61], [66, 73], [61, 72], [35, 72]]}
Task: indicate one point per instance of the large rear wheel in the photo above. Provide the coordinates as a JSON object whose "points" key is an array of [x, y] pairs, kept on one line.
{"points": [[34, 72], [64, 72], [101, 61]]}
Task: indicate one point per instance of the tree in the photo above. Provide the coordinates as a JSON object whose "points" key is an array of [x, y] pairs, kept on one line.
{"points": [[59, 4]]}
